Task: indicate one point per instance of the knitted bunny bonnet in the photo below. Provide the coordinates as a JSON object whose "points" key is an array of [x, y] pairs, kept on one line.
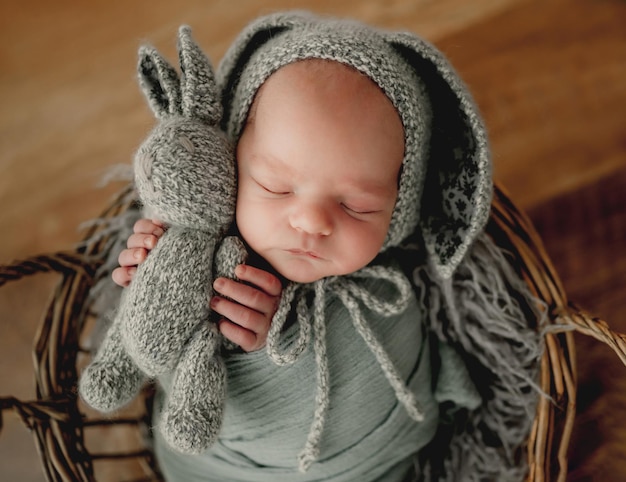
{"points": [[445, 184]]}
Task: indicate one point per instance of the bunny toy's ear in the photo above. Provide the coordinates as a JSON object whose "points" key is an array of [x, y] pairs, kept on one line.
{"points": [[456, 198], [200, 97], [159, 82]]}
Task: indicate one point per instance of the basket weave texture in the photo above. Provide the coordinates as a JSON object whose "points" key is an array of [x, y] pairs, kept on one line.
{"points": [[69, 436]]}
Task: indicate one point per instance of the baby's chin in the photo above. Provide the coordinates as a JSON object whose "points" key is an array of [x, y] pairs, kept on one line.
{"points": [[298, 275], [304, 272], [303, 279]]}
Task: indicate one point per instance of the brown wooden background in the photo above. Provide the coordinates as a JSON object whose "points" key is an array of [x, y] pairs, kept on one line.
{"points": [[549, 77]]}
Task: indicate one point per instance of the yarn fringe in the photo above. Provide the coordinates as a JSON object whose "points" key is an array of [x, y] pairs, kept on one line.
{"points": [[483, 312]]}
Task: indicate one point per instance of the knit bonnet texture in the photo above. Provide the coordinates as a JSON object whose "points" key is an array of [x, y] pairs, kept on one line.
{"points": [[355, 45], [445, 180]]}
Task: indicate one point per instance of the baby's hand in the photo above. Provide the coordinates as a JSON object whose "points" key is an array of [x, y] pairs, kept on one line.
{"points": [[145, 235], [249, 311]]}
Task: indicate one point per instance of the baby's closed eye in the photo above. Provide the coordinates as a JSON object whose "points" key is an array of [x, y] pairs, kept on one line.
{"points": [[272, 188], [360, 209]]}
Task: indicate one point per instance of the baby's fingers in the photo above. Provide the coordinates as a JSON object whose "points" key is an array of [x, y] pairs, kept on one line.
{"points": [[246, 339], [241, 325], [123, 275], [149, 226], [245, 295], [140, 240], [260, 278], [132, 257], [146, 233], [139, 244]]}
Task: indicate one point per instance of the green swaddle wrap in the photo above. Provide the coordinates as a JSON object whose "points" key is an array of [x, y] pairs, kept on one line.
{"points": [[368, 434]]}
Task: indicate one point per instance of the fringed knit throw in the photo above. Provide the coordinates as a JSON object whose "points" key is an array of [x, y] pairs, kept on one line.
{"points": [[487, 314]]}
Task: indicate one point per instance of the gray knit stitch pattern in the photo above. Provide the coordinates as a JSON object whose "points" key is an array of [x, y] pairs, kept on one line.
{"points": [[354, 45], [184, 176], [445, 183]]}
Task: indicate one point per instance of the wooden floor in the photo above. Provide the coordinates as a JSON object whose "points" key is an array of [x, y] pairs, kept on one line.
{"points": [[549, 77]]}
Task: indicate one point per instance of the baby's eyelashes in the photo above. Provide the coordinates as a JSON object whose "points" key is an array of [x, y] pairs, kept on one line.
{"points": [[272, 189], [361, 211]]}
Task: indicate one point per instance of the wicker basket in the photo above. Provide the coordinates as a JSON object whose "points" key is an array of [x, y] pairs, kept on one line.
{"points": [[64, 427]]}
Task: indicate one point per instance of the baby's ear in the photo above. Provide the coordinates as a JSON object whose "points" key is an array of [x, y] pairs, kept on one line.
{"points": [[200, 97], [159, 82]]}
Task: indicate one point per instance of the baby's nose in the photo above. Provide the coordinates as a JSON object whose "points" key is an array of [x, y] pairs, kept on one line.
{"points": [[312, 218]]}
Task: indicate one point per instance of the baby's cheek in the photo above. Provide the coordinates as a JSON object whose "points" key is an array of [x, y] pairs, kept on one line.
{"points": [[367, 242], [250, 222]]}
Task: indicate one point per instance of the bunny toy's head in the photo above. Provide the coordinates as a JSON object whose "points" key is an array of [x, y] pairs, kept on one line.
{"points": [[185, 169]]}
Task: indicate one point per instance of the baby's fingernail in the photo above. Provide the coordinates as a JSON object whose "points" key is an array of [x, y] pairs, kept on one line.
{"points": [[240, 270], [148, 241], [218, 283], [137, 254], [158, 232], [132, 271], [213, 302]]}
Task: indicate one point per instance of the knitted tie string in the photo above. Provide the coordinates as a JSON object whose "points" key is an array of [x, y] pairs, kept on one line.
{"points": [[374, 303], [404, 395], [350, 292], [278, 323], [311, 450]]}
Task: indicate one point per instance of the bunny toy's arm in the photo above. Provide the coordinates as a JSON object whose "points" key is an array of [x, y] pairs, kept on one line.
{"points": [[167, 299], [193, 410]]}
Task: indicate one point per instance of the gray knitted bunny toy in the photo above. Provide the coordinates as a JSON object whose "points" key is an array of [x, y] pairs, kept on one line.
{"points": [[185, 176]]}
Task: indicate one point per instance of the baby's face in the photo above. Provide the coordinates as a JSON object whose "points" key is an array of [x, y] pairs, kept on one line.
{"points": [[318, 166]]}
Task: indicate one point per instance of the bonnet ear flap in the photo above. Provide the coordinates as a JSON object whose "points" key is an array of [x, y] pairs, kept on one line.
{"points": [[456, 198], [200, 98], [159, 82], [253, 36]]}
